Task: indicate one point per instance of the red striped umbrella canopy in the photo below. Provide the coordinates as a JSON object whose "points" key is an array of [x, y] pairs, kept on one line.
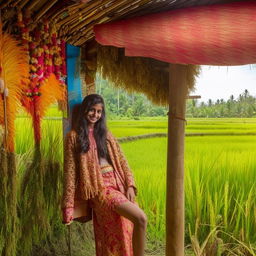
{"points": [[221, 34]]}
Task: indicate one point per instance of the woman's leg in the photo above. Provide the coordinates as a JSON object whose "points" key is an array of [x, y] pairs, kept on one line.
{"points": [[113, 232], [132, 212]]}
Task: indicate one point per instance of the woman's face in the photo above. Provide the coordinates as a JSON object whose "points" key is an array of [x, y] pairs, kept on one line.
{"points": [[94, 114]]}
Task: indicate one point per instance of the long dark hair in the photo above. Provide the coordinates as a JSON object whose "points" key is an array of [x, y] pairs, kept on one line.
{"points": [[100, 127]]}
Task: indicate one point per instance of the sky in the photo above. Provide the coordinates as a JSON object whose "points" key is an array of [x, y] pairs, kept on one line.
{"points": [[221, 82]]}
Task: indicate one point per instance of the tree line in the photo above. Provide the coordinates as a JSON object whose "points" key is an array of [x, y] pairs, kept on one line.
{"points": [[120, 103], [242, 106]]}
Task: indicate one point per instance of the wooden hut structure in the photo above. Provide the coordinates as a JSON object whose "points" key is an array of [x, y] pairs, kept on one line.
{"points": [[162, 81]]}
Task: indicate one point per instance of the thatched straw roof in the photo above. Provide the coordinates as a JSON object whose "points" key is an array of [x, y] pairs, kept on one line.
{"points": [[144, 75], [75, 21]]}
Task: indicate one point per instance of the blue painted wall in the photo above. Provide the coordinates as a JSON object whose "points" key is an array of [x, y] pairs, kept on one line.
{"points": [[73, 75], [73, 81]]}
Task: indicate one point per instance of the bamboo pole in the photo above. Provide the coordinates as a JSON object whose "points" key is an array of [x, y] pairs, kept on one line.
{"points": [[63, 12], [178, 92], [86, 28], [99, 13], [33, 4], [82, 25], [44, 9], [16, 3], [84, 12], [5, 4], [23, 3]]}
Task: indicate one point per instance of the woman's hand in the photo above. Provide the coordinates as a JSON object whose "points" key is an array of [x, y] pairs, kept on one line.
{"points": [[130, 194]]}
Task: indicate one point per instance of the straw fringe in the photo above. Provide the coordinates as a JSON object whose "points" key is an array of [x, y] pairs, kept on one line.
{"points": [[137, 74]]}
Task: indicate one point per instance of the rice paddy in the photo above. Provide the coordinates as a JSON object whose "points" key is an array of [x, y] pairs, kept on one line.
{"points": [[219, 185], [123, 128], [220, 180]]}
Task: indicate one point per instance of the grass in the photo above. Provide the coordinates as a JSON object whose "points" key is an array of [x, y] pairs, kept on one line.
{"points": [[124, 128], [51, 129], [219, 181], [220, 185]]}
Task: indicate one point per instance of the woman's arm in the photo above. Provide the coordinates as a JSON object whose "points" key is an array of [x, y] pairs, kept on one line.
{"points": [[69, 185]]}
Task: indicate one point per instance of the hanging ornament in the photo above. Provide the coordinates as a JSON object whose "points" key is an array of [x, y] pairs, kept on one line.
{"points": [[14, 69], [47, 70]]}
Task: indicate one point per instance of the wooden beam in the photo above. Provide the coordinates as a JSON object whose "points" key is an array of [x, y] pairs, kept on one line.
{"points": [[178, 92], [194, 97]]}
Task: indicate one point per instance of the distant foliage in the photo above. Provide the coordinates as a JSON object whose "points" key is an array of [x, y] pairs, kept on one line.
{"points": [[120, 103], [243, 106]]}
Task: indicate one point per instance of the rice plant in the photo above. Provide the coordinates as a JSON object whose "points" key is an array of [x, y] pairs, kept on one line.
{"points": [[220, 180], [219, 186]]}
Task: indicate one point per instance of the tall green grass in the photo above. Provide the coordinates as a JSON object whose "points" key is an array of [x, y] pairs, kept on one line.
{"points": [[39, 184], [51, 131], [123, 128], [220, 185], [220, 175]]}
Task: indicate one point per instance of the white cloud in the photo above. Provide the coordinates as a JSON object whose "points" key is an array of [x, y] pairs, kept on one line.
{"points": [[221, 82]]}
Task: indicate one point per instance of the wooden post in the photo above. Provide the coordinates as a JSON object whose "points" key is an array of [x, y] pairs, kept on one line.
{"points": [[90, 85], [178, 92], [89, 67]]}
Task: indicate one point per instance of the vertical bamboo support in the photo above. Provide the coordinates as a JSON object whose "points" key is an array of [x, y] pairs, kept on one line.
{"points": [[178, 91], [90, 85]]}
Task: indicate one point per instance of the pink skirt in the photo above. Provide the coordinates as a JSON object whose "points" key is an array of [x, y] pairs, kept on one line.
{"points": [[113, 233]]}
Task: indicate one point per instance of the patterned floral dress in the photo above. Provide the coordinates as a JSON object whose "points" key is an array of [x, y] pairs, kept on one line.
{"points": [[113, 233]]}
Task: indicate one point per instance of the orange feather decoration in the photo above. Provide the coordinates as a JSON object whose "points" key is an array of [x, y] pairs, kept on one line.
{"points": [[49, 91], [14, 69]]}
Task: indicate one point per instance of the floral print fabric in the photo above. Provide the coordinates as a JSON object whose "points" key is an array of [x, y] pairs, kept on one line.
{"points": [[82, 177], [113, 233]]}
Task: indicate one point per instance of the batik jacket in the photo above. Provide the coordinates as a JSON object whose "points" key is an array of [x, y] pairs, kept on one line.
{"points": [[82, 176]]}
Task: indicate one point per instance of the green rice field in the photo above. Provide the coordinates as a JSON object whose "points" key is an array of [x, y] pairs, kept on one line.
{"points": [[219, 185], [220, 178], [123, 128]]}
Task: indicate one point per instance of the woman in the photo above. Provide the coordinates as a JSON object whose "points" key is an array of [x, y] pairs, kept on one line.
{"points": [[96, 171]]}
